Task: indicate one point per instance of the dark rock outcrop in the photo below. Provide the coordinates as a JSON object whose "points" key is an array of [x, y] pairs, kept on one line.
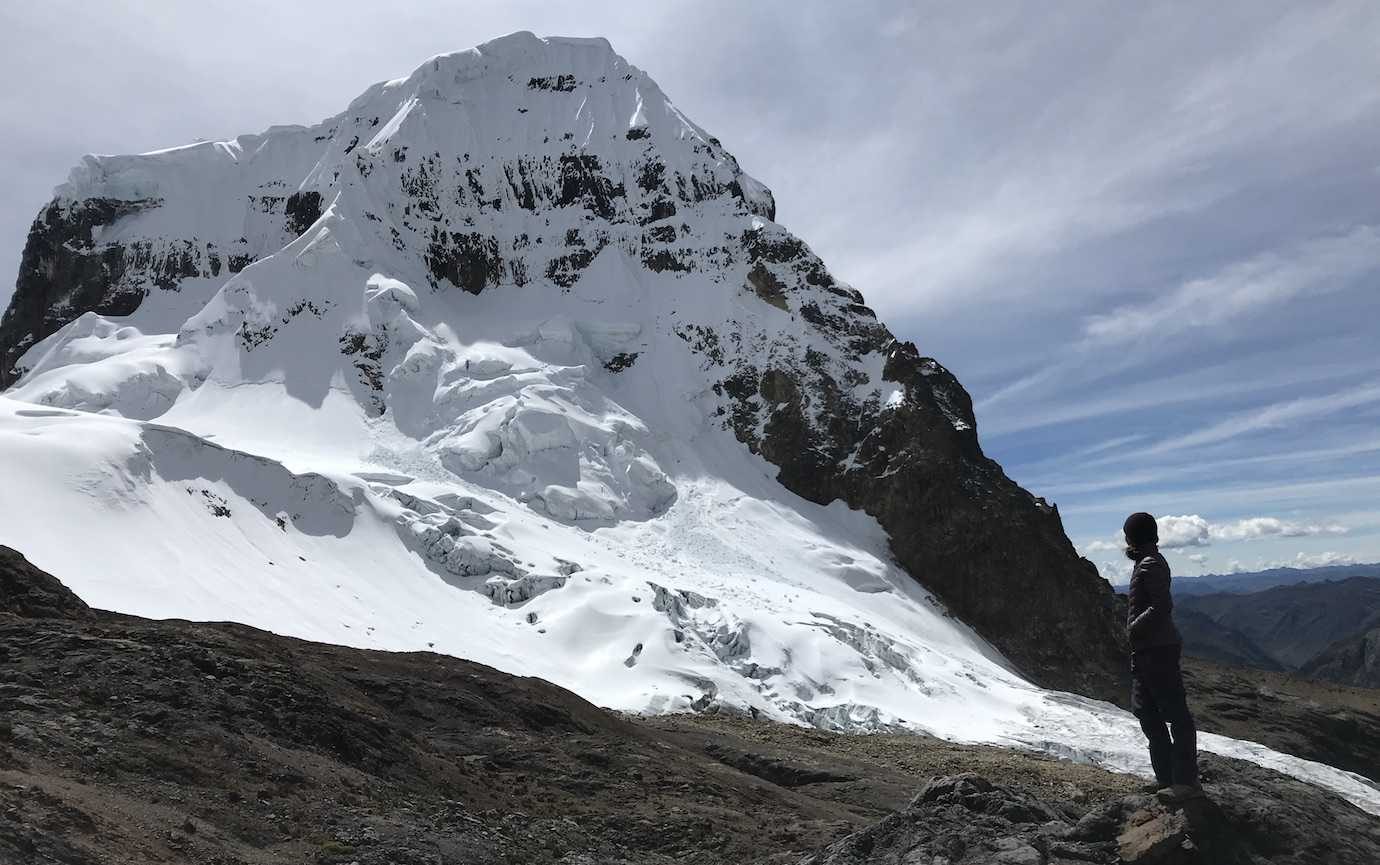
{"points": [[996, 555], [64, 273], [1354, 660], [778, 772], [302, 209], [470, 260], [1247, 815], [68, 269], [1329, 723], [27, 591]]}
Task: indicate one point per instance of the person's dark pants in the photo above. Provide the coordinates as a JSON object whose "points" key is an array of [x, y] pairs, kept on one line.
{"points": [[1157, 700]]}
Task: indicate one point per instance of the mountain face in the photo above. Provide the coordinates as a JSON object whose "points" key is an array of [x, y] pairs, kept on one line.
{"points": [[1352, 660], [1293, 624], [1327, 631], [540, 174], [1204, 637], [510, 360], [1257, 581]]}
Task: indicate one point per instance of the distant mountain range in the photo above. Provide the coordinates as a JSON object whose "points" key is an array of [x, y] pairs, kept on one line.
{"points": [[1328, 630], [1255, 581]]}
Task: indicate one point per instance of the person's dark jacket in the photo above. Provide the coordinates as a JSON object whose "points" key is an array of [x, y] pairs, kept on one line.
{"points": [[1150, 614]]}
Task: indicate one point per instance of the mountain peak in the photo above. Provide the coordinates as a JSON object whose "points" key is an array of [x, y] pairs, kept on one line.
{"points": [[525, 61], [524, 49], [512, 336], [516, 94]]}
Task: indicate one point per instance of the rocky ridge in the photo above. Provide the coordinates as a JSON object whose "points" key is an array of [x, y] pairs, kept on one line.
{"points": [[126, 739], [1240, 817], [1324, 721], [1353, 660]]}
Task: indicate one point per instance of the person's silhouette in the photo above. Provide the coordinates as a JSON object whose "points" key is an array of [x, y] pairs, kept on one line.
{"points": [[1157, 685]]}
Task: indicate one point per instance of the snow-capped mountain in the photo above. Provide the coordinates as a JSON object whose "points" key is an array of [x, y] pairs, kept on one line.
{"points": [[510, 360]]}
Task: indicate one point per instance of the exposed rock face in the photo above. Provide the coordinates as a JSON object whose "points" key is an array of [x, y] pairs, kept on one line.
{"points": [[1248, 815], [27, 591], [77, 259], [1352, 661], [996, 554], [64, 273], [302, 209], [526, 161]]}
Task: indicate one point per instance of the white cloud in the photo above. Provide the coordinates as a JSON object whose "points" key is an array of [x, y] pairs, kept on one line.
{"points": [[1197, 558], [1115, 572], [1189, 530], [1101, 158], [1259, 527], [1102, 546], [1192, 530], [1300, 561], [1311, 560]]}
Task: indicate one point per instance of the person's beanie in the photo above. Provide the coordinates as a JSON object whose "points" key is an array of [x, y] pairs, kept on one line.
{"points": [[1140, 530]]}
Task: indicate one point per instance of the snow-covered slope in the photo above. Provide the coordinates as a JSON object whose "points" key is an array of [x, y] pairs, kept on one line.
{"points": [[511, 361]]}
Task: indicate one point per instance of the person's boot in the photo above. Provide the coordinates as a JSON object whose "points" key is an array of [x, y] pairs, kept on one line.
{"points": [[1177, 794]]}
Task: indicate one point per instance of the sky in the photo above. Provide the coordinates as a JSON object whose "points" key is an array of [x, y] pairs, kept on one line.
{"points": [[1146, 237]]}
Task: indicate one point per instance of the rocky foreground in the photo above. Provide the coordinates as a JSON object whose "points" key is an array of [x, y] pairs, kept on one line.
{"points": [[1330, 723], [128, 740]]}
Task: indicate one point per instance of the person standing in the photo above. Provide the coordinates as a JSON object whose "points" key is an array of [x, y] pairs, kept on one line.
{"points": [[1157, 686]]}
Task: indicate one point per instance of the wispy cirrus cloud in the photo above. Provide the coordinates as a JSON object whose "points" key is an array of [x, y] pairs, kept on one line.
{"points": [[1310, 494], [1204, 384], [1242, 289], [1271, 416], [1183, 472]]}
